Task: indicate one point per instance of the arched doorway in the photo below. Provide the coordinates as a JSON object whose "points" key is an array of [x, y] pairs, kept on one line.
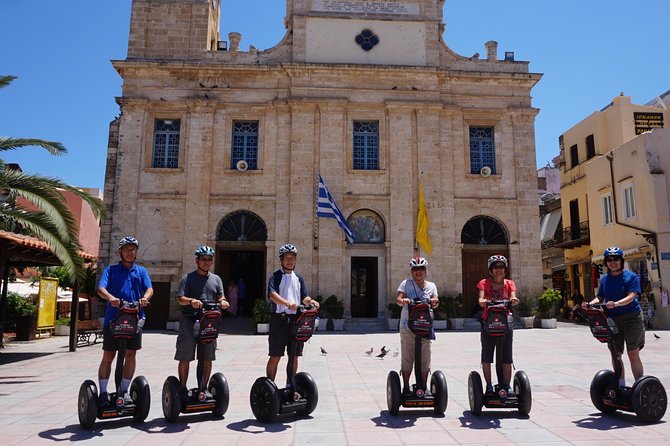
{"points": [[370, 232], [481, 236], [240, 246]]}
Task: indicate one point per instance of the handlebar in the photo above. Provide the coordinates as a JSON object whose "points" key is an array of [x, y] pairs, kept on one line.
{"points": [[504, 302]]}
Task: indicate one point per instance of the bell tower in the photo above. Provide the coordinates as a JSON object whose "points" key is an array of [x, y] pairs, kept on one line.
{"points": [[376, 32], [173, 29]]}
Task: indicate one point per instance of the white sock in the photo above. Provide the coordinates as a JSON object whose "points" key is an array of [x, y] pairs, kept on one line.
{"points": [[103, 385], [125, 383], [622, 382]]}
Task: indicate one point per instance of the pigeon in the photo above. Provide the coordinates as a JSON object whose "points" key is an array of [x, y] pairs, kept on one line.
{"points": [[383, 349], [382, 354], [396, 353], [369, 352], [657, 336], [323, 351]]}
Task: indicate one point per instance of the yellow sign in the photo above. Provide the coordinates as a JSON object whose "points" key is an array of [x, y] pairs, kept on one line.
{"points": [[46, 308]]}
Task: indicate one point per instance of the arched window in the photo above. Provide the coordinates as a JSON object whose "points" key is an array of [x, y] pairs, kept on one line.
{"points": [[483, 230], [242, 226], [368, 227]]}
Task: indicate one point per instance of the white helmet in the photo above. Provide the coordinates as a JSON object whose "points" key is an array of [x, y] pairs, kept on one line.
{"points": [[129, 240], [418, 262], [287, 248], [497, 259]]}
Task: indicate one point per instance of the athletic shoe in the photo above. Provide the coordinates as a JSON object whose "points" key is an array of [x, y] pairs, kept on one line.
{"points": [[406, 391], [183, 394], [489, 389], [127, 400], [510, 393]]}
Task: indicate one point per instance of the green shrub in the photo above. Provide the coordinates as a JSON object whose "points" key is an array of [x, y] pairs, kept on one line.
{"points": [[261, 312], [547, 303], [17, 307], [63, 321], [394, 310], [332, 308], [526, 307], [453, 306]]}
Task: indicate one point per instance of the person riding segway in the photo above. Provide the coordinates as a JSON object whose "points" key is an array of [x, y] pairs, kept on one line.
{"points": [[136, 404]]}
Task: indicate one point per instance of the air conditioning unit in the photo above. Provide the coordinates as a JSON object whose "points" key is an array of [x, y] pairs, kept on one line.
{"points": [[485, 171], [242, 165]]}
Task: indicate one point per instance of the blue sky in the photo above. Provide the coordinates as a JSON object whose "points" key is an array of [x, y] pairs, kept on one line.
{"points": [[589, 51]]}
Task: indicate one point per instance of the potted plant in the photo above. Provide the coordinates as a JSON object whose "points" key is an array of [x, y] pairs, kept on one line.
{"points": [[455, 309], [24, 315], [62, 326], [393, 319], [526, 310], [332, 309], [440, 315], [546, 307], [261, 316]]}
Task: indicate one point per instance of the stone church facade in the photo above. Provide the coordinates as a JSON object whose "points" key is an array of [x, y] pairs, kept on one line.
{"points": [[223, 147]]}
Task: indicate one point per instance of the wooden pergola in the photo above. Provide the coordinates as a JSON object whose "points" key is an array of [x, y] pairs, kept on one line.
{"points": [[22, 251]]}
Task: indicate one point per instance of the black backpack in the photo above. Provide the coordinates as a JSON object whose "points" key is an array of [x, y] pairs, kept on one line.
{"points": [[420, 321], [209, 326], [496, 320], [304, 325], [124, 326]]}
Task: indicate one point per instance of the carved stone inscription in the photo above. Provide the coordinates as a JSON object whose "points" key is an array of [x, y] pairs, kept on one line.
{"points": [[366, 7]]}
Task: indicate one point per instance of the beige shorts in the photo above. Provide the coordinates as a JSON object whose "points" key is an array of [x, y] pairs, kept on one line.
{"points": [[407, 351]]}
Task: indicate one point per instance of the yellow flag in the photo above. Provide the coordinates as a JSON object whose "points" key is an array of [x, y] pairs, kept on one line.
{"points": [[422, 222]]}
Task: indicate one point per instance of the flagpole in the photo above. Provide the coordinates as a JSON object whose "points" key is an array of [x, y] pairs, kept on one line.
{"points": [[315, 235]]}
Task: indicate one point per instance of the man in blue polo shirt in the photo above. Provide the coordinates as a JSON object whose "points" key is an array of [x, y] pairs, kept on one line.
{"points": [[125, 281]]}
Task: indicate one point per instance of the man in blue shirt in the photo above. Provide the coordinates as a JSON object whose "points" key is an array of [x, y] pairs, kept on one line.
{"points": [[619, 289], [125, 281]]}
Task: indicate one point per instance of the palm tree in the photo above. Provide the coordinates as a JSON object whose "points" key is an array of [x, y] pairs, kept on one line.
{"points": [[52, 222]]}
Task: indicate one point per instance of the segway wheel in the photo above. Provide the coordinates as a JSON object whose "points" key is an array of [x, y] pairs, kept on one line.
{"points": [[306, 386], [264, 400], [393, 392], [172, 403], [141, 396], [649, 399], [523, 392], [438, 387], [218, 387], [475, 393], [87, 404], [600, 385]]}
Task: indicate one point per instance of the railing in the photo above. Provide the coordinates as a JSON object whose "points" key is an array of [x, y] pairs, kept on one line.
{"points": [[575, 235]]}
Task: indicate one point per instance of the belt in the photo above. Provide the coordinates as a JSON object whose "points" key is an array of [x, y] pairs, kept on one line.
{"points": [[283, 316]]}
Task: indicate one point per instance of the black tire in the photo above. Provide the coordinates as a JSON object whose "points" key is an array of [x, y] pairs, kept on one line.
{"points": [[264, 400], [600, 386], [438, 387], [649, 399], [140, 392], [523, 392], [306, 386], [87, 404], [393, 392], [218, 387], [172, 403], [475, 393]]}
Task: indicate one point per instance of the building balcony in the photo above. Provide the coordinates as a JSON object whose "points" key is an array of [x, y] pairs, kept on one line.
{"points": [[575, 236]]}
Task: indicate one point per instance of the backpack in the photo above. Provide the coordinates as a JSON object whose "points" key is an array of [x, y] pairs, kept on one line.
{"points": [[420, 321], [124, 326], [602, 327], [304, 325], [209, 326], [496, 320]]}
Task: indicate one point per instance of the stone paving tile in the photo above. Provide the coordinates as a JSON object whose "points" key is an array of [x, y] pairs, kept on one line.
{"points": [[39, 382]]}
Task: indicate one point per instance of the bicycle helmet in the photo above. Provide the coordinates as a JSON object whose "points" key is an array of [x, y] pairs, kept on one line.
{"points": [[613, 251], [204, 251], [418, 262], [128, 240], [287, 248], [497, 259]]}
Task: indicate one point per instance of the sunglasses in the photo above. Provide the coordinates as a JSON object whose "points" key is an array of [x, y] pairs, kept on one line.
{"points": [[419, 268], [611, 259]]}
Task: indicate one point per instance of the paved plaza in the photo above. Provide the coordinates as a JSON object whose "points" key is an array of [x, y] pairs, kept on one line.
{"points": [[39, 382]]}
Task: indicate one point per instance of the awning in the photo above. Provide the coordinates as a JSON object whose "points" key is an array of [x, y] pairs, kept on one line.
{"points": [[549, 224], [626, 252]]}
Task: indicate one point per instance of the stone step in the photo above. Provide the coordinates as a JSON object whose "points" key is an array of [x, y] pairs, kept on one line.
{"points": [[365, 325]]}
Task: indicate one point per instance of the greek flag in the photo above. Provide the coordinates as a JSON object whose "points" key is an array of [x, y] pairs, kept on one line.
{"points": [[326, 207]]}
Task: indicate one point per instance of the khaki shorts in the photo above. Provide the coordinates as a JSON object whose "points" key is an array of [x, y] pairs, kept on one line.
{"points": [[187, 345], [631, 330], [407, 352]]}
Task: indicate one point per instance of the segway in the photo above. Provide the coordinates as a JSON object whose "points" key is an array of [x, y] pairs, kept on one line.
{"points": [[301, 394], [647, 397], [421, 324], [496, 326], [213, 397], [91, 407]]}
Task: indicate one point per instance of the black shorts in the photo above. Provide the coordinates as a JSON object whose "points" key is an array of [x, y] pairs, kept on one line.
{"points": [[280, 338], [112, 345], [489, 345]]}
